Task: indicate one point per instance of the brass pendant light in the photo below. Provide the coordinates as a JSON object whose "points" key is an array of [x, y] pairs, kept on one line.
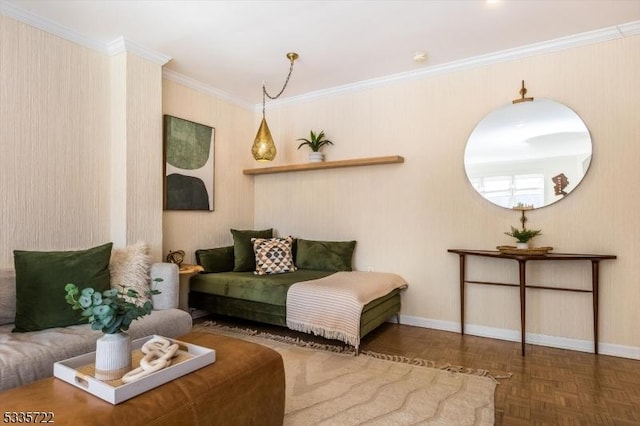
{"points": [[264, 149]]}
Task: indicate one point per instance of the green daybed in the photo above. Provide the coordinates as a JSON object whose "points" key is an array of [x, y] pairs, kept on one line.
{"points": [[263, 298]]}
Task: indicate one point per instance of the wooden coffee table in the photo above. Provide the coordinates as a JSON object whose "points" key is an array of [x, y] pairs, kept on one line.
{"points": [[245, 386]]}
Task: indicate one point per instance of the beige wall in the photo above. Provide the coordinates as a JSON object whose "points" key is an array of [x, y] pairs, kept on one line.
{"points": [[75, 124], [54, 142], [136, 155], [233, 191], [406, 216], [81, 139]]}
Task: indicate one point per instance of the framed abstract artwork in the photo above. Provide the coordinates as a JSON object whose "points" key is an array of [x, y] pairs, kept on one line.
{"points": [[188, 165]]}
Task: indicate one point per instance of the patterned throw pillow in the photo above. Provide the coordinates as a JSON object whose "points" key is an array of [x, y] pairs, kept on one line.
{"points": [[273, 255]]}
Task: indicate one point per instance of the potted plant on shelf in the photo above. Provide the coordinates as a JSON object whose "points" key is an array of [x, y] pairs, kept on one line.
{"points": [[315, 142], [523, 236], [111, 311]]}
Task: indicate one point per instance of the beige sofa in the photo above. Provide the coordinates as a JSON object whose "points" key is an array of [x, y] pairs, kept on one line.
{"points": [[27, 357]]}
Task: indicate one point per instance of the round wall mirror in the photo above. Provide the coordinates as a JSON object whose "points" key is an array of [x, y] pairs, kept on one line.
{"points": [[528, 154]]}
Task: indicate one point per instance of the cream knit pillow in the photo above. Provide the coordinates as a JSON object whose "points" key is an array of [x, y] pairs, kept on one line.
{"points": [[129, 267]]}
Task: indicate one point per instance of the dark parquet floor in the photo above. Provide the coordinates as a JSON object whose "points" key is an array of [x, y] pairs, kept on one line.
{"points": [[549, 386]]}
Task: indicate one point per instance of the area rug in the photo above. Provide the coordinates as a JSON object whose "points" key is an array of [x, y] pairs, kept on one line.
{"points": [[325, 386]]}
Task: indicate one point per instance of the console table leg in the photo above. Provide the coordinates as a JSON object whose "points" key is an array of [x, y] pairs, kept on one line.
{"points": [[594, 283], [462, 278], [523, 295]]}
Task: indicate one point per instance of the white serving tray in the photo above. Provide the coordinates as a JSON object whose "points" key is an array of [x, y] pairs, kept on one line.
{"points": [[67, 370]]}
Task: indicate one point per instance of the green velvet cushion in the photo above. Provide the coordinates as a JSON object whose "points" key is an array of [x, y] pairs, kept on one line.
{"points": [[216, 260], [244, 258], [40, 280], [325, 255]]}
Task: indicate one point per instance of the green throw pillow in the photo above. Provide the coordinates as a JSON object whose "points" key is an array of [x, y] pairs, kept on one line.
{"points": [[244, 257], [216, 260], [40, 280], [330, 256]]}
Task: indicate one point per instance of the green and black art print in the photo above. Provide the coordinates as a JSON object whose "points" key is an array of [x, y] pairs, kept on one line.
{"points": [[189, 165]]}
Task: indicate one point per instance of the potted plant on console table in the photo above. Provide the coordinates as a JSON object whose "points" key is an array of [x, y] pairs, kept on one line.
{"points": [[523, 236], [111, 311]]}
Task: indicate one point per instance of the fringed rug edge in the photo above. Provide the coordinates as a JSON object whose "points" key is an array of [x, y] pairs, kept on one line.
{"points": [[209, 326]]}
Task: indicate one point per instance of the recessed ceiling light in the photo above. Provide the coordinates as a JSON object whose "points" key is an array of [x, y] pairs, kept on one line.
{"points": [[419, 57], [493, 2]]}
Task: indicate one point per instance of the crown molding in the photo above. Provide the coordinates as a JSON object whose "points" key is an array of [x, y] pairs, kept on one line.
{"points": [[563, 43], [114, 47], [630, 28], [121, 45], [205, 88], [50, 26]]}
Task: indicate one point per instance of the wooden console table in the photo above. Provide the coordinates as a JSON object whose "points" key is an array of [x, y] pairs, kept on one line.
{"points": [[522, 260]]}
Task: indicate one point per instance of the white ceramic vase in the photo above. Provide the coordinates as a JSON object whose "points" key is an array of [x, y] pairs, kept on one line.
{"points": [[113, 356], [522, 246], [316, 157]]}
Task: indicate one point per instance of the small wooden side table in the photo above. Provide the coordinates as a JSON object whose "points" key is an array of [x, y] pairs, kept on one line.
{"points": [[186, 271]]}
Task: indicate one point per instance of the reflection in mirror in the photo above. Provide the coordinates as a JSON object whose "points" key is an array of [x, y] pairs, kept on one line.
{"points": [[528, 154]]}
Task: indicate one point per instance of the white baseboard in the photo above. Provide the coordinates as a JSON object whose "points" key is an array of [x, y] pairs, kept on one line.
{"points": [[531, 338]]}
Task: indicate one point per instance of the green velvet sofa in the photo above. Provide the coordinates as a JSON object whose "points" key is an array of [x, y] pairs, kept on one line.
{"points": [[263, 298]]}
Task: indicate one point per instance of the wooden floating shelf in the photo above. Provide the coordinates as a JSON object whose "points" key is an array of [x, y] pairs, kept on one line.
{"points": [[373, 161]]}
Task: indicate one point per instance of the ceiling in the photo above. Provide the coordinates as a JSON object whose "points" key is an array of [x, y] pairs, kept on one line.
{"points": [[233, 46]]}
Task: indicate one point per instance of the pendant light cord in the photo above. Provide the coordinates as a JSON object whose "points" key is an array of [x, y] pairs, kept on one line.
{"points": [[265, 94]]}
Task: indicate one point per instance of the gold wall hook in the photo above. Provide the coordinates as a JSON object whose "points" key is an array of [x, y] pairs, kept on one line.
{"points": [[523, 92], [522, 208]]}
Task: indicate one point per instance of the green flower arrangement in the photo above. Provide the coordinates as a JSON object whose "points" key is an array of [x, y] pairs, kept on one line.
{"points": [[109, 311], [523, 235], [315, 141]]}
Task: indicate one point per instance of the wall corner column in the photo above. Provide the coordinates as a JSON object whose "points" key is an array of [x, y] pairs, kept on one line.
{"points": [[136, 151]]}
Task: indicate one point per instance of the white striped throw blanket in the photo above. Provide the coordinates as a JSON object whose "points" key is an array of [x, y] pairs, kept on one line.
{"points": [[331, 306]]}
